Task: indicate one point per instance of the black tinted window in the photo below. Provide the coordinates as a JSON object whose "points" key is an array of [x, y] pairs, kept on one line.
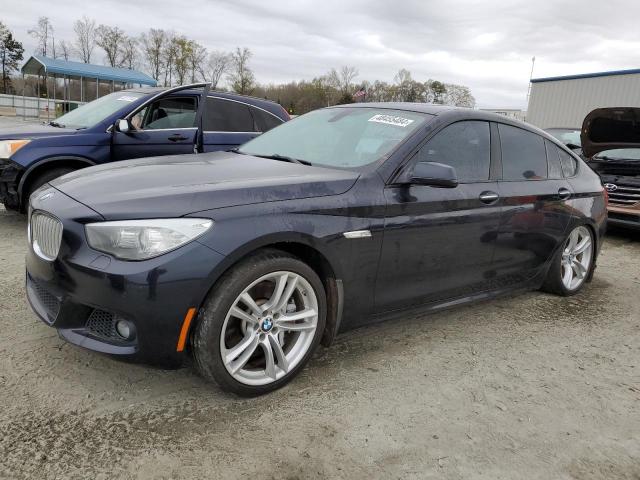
{"points": [[523, 154], [569, 164], [227, 116], [553, 160], [465, 146], [264, 120]]}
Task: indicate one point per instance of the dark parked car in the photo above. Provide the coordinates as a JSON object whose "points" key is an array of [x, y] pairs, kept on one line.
{"points": [[339, 218], [155, 121], [612, 140]]}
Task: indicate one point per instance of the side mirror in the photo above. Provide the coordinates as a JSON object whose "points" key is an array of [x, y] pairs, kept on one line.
{"points": [[123, 126], [434, 174]]}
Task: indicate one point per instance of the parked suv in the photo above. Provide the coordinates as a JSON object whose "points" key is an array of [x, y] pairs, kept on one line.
{"points": [[129, 124], [611, 138]]}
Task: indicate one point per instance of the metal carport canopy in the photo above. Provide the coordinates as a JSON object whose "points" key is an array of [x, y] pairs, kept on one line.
{"points": [[39, 65]]}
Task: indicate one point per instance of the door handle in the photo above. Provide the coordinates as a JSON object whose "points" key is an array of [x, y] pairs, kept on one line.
{"points": [[489, 197], [177, 137], [564, 194]]}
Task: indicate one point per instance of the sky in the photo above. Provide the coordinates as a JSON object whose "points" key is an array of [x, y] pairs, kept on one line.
{"points": [[486, 45]]}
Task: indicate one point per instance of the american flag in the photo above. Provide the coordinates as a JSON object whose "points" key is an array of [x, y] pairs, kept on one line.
{"points": [[360, 93]]}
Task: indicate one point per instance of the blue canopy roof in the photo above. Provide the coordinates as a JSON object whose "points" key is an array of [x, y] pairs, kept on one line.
{"points": [[39, 65]]}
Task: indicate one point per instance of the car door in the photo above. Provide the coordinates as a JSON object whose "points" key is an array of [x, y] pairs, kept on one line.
{"points": [[169, 124], [226, 124], [534, 197], [439, 242]]}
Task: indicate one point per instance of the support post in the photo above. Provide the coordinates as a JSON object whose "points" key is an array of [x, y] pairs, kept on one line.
{"points": [[97, 88]]}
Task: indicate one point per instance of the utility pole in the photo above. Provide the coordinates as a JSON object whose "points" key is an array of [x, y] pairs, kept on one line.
{"points": [[533, 62]]}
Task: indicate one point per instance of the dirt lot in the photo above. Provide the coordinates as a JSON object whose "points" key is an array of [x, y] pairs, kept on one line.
{"points": [[531, 387]]}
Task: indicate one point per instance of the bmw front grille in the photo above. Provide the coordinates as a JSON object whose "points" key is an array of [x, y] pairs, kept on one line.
{"points": [[45, 232]]}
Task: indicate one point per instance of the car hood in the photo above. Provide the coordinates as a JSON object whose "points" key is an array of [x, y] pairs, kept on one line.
{"points": [[33, 130], [182, 184], [610, 128]]}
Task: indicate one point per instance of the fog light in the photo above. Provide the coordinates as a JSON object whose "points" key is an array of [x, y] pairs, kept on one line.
{"points": [[124, 329]]}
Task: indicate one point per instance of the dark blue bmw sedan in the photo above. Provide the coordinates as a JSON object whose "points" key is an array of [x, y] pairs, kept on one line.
{"points": [[127, 124], [248, 259]]}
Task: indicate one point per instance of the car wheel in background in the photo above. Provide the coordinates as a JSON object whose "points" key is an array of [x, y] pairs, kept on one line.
{"points": [[260, 324], [572, 265]]}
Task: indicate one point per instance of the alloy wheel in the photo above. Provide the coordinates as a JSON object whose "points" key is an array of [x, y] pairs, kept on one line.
{"points": [[576, 258], [269, 328]]}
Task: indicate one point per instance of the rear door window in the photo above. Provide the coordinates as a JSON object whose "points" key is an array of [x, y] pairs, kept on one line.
{"points": [[465, 146], [227, 116], [264, 120], [523, 154]]}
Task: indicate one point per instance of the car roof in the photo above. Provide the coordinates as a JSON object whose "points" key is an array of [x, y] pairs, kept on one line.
{"points": [[270, 105]]}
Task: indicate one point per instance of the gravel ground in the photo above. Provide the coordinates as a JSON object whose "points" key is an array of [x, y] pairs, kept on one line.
{"points": [[531, 387]]}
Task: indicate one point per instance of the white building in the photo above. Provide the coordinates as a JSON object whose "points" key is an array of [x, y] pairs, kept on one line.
{"points": [[563, 102], [514, 113]]}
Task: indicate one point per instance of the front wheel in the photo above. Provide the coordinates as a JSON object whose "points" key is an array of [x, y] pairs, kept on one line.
{"points": [[572, 265], [261, 324]]}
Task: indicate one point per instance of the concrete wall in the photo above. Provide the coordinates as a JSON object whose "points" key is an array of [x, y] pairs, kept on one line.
{"points": [[565, 103]]}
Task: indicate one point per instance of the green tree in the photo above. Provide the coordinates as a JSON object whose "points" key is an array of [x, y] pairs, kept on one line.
{"points": [[10, 56]]}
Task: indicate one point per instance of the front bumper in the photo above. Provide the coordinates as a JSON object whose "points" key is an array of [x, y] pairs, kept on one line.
{"points": [[624, 217], [10, 173], [82, 293]]}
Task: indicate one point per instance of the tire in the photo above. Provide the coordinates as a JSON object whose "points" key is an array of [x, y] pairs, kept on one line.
{"points": [[219, 333], [556, 279], [43, 178]]}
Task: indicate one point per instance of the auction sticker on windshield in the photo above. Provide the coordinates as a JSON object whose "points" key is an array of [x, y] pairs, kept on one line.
{"points": [[391, 120]]}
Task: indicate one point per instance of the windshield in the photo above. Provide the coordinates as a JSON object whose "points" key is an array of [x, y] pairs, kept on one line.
{"points": [[620, 154], [565, 135], [349, 137], [95, 112]]}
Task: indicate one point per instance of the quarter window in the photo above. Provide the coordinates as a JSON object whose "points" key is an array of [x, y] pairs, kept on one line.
{"points": [[553, 159], [465, 146], [523, 154], [264, 121], [227, 116], [569, 164]]}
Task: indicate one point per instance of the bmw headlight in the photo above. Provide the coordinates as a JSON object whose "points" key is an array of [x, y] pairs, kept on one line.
{"points": [[143, 239], [9, 147]]}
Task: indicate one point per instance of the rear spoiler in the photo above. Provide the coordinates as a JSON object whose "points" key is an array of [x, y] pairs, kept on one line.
{"points": [[609, 128]]}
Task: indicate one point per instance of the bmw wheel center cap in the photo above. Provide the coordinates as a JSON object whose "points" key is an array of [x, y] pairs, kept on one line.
{"points": [[267, 324]]}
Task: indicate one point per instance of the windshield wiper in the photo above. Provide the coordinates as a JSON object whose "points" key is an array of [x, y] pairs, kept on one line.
{"points": [[277, 156], [56, 124]]}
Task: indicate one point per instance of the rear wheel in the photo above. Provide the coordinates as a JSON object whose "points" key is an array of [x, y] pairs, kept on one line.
{"points": [[572, 265], [261, 324]]}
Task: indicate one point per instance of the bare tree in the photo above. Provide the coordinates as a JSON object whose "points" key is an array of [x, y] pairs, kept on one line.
{"points": [[110, 39], [85, 29], [153, 45], [130, 53], [43, 33], [217, 65], [342, 80], [169, 53], [65, 49], [197, 58], [241, 77]]}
